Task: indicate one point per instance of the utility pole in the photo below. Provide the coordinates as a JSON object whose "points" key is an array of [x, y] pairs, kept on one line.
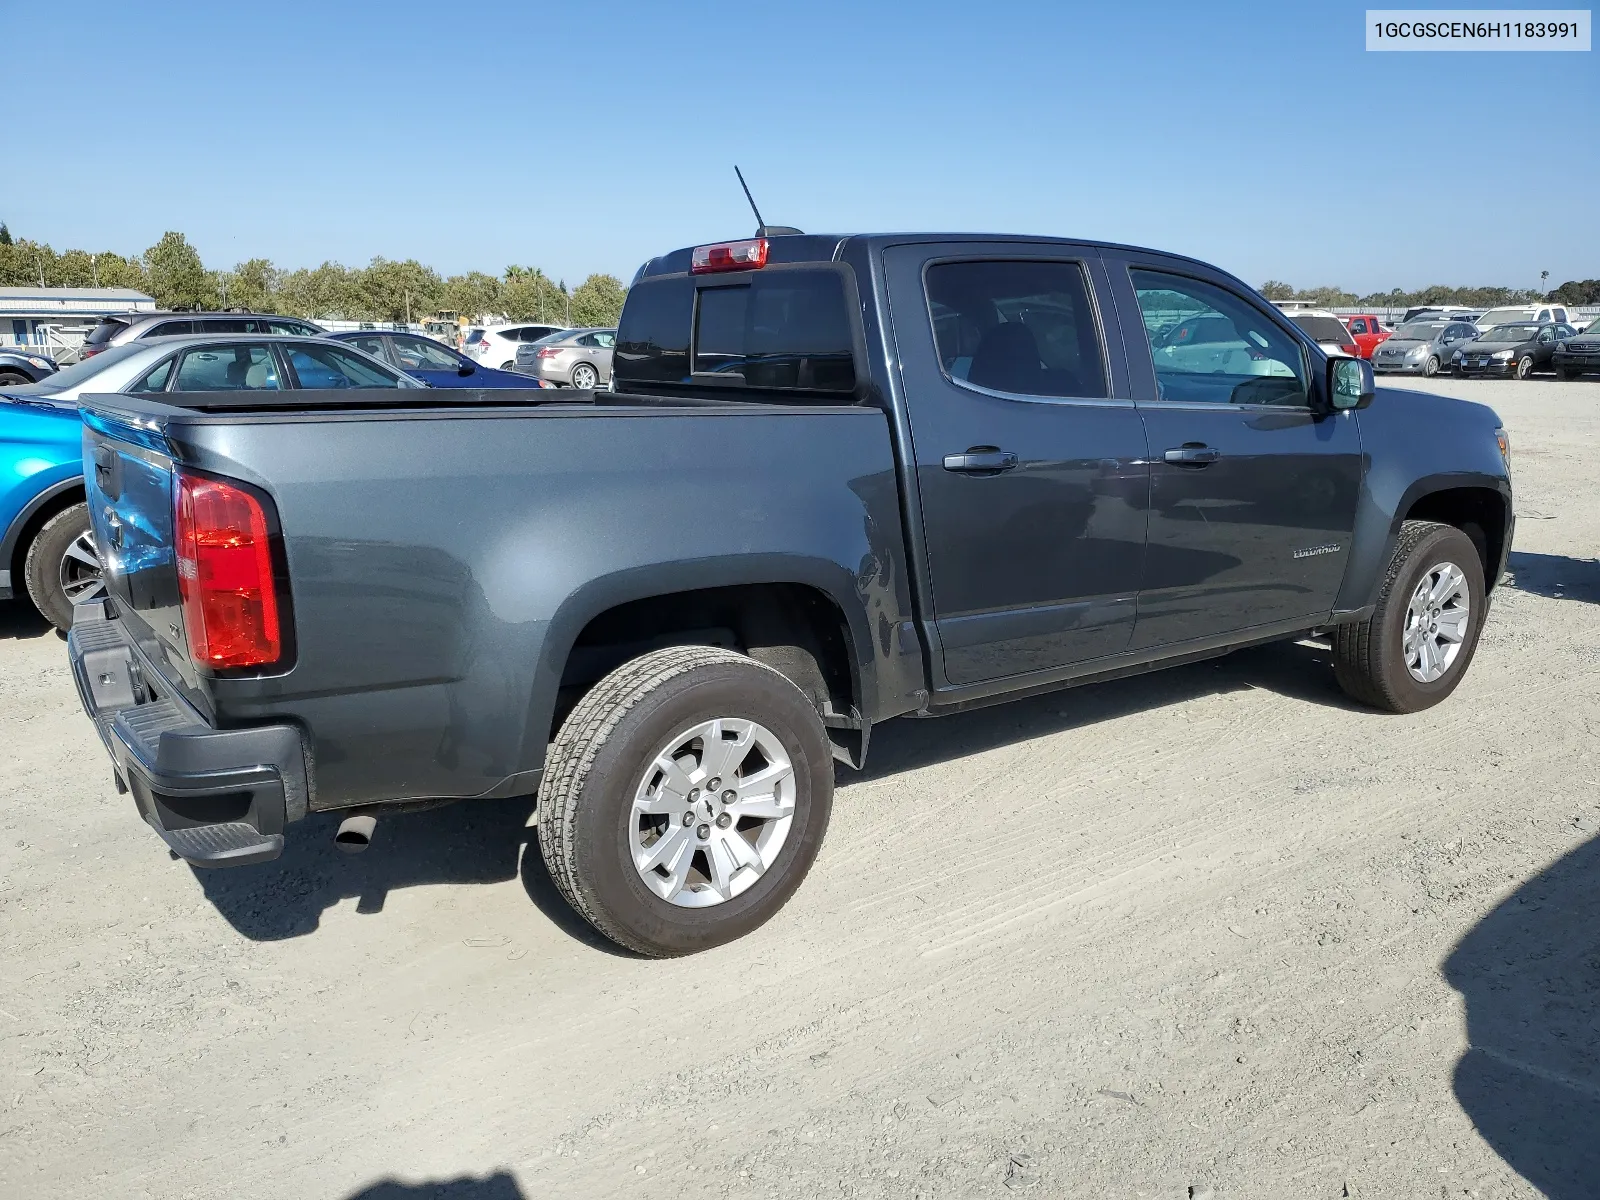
{"points": [[39, 262], [408, 308], [94, 268]]}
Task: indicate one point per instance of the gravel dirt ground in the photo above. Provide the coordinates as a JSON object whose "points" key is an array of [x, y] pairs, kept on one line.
{"points": [[1208, 932]]}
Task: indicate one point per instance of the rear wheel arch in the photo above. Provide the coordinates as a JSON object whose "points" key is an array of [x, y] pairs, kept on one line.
{"points": [[800, 629], [33, 517]]}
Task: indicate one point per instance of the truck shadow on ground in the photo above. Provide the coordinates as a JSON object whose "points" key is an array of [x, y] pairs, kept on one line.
{"points": [[488, 841], [482, 841], [1295, 670], [1529, 975], [1555, 576], [499, 1186], [20, 622]]}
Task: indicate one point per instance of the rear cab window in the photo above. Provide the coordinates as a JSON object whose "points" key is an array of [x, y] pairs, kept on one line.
{"points": [[779, 329]]}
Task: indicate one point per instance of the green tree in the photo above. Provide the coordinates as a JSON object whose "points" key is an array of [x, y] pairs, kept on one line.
{"points": [[252, 284], [530, 295], [398, 291], [1327, 296], [178, 279], [1276, 289], [1574, 291], [598, 300], [327, 291], [5, 234], [473, 294]]}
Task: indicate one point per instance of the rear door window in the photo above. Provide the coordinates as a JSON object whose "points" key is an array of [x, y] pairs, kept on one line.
{"points": [[1013, 326], [171, 329], [334, 367], [225, 325], [419, 354], [229, 368], [783, 329], [368, 345]]}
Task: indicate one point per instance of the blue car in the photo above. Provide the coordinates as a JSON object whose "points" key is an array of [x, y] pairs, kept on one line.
{"points": [[45, 546], [432, 362]]}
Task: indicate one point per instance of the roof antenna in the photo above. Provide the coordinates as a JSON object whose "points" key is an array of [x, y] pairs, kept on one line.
{"points": [[762, 228]]}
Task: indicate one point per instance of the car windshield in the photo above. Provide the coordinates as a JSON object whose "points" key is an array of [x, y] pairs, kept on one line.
{"points": [[1323, 329], [1510, 333], [1418, 331], [79, 371]]}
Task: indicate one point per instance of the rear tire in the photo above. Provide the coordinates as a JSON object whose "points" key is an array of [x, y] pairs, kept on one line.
{"points": [[584, 377], [605, 758], [1370, 658], [58, 571]]}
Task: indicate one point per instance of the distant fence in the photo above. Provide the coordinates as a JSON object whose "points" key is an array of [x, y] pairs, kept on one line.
{"points": [[1391, 316]]}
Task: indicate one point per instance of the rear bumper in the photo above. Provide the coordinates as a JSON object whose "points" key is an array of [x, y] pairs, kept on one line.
{"points": [[217, 797]]}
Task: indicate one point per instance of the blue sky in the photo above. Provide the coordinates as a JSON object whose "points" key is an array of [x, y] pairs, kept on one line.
{"points": [[582, 137]]}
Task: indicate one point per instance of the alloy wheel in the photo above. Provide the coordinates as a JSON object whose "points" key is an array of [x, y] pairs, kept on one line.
{"points": [[1436, 622], [712, 812], [81, 575]]}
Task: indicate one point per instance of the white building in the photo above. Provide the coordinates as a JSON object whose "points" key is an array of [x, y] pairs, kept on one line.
{"points": [[55, 320]]}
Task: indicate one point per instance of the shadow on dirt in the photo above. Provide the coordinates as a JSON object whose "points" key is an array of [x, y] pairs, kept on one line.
{"points": [[488, 841], [1555, 576], [1529, 974], [499, 1186], [1296, 670], [21, 621], [483, 841]]}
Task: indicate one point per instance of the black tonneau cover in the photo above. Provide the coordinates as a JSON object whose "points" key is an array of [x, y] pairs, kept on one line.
{"points": [[325, 399]]}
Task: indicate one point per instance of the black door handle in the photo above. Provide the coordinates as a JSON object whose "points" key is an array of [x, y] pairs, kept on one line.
{"points": [[981, 460], [1192, 454]]}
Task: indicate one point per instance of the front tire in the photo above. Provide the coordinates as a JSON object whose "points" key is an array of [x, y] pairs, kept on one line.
{"points": [[1525, 366], [1416, 647], [13, 379], [1431, 367], [62, 567], [684, 799]]}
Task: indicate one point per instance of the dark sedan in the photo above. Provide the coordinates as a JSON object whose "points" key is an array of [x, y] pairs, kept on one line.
{"points": [[20, 366], [1511, 351], [432, 362]]}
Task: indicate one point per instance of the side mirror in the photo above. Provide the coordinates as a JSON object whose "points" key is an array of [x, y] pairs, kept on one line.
{"points": [[1351, 383], [465, 369]]}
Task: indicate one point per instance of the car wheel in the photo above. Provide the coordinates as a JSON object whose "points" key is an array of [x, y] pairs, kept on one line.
{"points": [[508, 364], [1415, 648], [584, 377], [684, 799], [1431, 367], [13, 379], [1525, 366], [62, 567]]}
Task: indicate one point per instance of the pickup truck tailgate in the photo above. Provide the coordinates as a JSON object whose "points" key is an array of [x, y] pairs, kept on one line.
{"points": [[129, 480]]}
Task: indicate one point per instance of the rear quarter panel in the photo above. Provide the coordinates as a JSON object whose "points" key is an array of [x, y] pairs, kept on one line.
{"points": [[442, 566]]}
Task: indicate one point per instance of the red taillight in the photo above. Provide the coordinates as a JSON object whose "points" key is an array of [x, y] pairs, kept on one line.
{"points": [[729, 256], [230, 601], [546, 352], [89, 352]]}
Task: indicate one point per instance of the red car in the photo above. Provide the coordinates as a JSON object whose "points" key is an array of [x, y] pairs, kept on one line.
{"points": [[1367, 332]]}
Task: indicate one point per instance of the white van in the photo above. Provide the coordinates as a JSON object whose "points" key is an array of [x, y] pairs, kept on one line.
{"points": [[1511, 313]]}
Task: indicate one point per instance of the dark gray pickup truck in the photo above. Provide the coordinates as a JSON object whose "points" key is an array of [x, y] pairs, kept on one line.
{"points": [[841, 479]]}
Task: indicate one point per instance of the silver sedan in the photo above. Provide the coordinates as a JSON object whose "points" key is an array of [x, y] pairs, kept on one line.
{"points": [[579, 358], [1421, 347]]}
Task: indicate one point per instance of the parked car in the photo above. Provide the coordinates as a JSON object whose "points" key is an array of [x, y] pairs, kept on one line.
{"points": [[1367, 332], [1421, 311], [1208, 341], [578, 358], [1519, 314], [1511, 351], [435, 364], [1422, 347], [133, 327], [670, 613], [46, 549], [1577, 355], [497, 345], [1326, 330], [20, 365]]}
